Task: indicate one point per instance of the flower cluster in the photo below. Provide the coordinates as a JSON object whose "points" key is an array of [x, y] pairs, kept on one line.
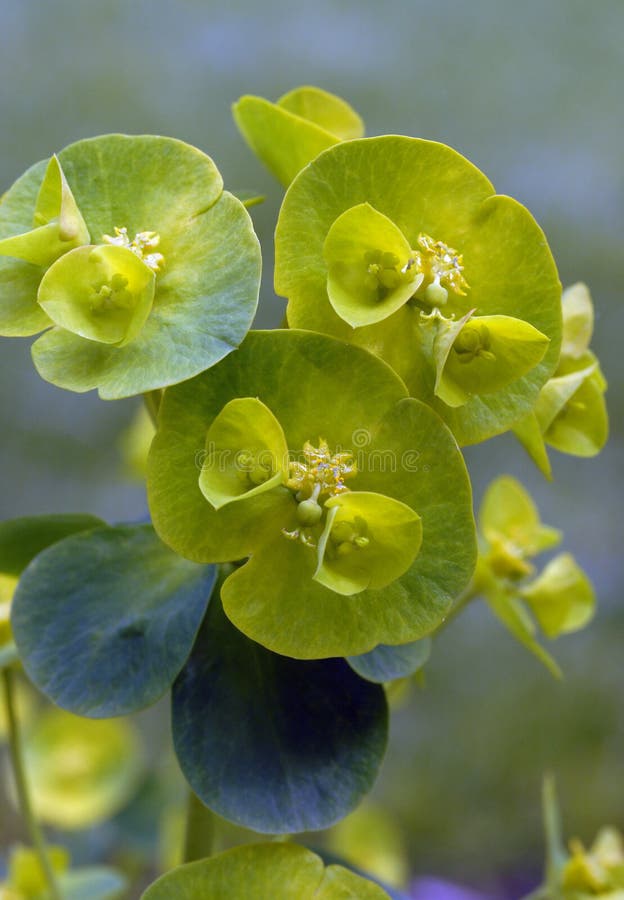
{"points": [[559, 600], [140, 282]]}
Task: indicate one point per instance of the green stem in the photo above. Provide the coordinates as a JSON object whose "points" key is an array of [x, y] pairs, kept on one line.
{"points": [[199, 840], [152, 403], [21, 785]]}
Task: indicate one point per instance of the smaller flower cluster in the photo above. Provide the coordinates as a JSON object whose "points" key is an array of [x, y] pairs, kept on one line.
{"points": [[570, 414], [560, 599]]}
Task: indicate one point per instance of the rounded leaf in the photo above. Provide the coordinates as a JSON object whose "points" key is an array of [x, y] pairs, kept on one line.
{"points": [[385, 663], [22, 539], [105, 620], [430, 193], [264, 872], [274, 744], [316, 387]]}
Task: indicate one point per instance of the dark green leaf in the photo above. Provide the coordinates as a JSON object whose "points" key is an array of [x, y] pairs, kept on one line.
{"points": [[385, 663], [104, 621], [22, 539], [275, 744]]}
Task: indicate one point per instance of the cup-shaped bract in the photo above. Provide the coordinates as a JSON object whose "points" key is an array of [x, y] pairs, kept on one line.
{"points": [[57, 223], [474, 251], [103, 293], [246, 453], [178, 265], [287, 134], [34, 231], [562, 597], [479, 355], [570, 413], [373, 476], [368, 262], [571, 410], [369, 541]]}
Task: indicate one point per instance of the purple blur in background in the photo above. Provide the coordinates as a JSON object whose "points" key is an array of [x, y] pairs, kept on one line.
{"points": [[434, 889]]}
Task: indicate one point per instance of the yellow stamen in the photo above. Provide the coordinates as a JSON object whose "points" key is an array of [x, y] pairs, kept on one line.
{"points": [[314, 479], [142, 245], [320, 468], [443, 268]]}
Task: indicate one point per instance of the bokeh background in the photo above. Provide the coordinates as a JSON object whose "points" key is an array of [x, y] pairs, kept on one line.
{"points": [[532, 93]]}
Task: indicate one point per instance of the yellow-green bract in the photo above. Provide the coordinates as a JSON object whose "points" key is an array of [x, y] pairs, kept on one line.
{"points": [[401, 245], [287, 134], [354, 506], [570, 412], [264, 872], [561, 598], [128, 250], [81, 771]]}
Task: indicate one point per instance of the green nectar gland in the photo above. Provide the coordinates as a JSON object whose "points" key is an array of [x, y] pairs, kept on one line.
{"points": [[442, 268], [473, 341], [142, 245], [384, 272], [319, 476]]}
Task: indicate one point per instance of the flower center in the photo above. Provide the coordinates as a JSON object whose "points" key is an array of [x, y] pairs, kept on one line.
{"points": [[347, 536], [142, 245], [384, 273], [472, 341], [320, 475], [443, 268], [111, 294]]}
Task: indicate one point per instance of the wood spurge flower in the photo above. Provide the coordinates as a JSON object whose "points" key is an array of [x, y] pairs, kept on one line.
{"points": [[310, 523]]}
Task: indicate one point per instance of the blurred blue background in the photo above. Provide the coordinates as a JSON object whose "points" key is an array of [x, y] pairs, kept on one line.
{"points": [[532, 94]]}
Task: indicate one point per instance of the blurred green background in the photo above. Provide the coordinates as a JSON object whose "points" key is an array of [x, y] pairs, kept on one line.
{"points": [[531, 93]]}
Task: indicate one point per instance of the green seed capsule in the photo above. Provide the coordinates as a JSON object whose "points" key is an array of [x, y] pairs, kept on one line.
{"points": [[309, 512], [436, 294]]}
